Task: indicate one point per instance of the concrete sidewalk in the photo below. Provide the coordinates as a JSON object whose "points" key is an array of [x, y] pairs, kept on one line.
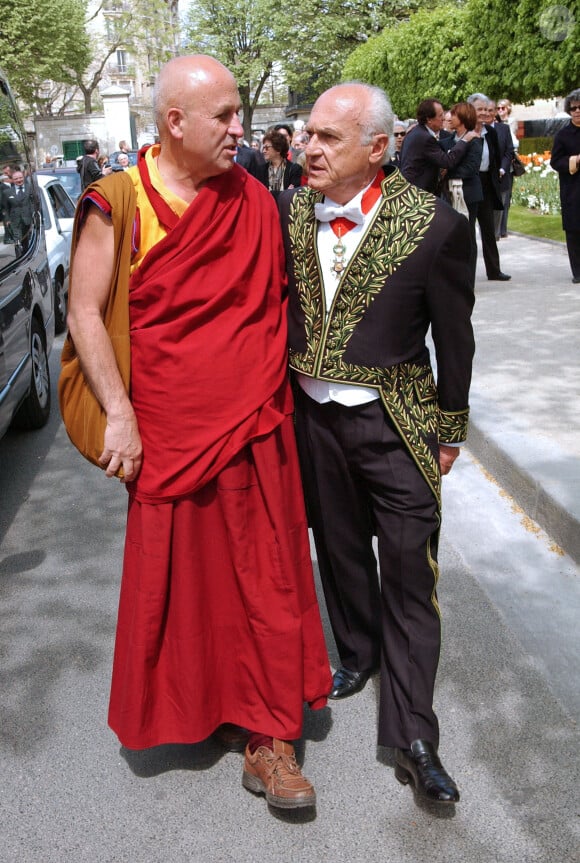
{"points": [[525, 396]]}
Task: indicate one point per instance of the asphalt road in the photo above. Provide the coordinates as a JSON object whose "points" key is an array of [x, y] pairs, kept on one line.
{"points": [[507, 698]]}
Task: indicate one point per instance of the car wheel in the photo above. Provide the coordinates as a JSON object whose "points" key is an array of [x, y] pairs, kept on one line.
{"points": [[34, 411], [59, 304]]}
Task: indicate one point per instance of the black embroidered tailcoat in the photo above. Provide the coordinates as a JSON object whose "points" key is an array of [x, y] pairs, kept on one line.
{"points": [[410, 272]]}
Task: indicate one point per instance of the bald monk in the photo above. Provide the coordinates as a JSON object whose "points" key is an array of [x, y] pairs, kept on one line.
{"points": [[218, 628]]}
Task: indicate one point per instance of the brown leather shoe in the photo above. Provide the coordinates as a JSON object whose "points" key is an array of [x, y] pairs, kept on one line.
{"points": [[276, 774]]}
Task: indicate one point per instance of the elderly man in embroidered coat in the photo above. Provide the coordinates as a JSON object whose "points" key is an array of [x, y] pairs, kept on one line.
{"points": [[373, 262]]}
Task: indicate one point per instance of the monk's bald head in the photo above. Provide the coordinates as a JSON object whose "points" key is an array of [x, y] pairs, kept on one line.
{"points": [[181, 78], [197, 108]]}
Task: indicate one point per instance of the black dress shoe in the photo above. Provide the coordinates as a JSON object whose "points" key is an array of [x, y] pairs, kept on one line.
{"points": [[421, 765], [345, 682], [501, 277], [576, 280]]}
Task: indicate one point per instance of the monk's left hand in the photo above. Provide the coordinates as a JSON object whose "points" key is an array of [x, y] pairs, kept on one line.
{"points": [[447, 455]]}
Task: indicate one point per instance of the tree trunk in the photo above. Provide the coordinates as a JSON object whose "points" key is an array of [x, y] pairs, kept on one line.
{"points": [[248, 110]]}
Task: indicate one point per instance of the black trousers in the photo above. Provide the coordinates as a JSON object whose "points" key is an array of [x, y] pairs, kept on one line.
{"points": [[573, 246], [359, 481], [486, 221], [472, 209], [501, 216]]}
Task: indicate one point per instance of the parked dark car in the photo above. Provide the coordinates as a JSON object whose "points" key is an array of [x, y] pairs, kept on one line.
{"points": [[26, 296], [69, 177]]}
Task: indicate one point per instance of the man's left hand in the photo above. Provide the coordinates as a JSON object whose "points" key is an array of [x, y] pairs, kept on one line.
{"points": [[447, 455]]}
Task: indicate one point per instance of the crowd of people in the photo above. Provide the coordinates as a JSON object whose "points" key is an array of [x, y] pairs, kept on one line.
{"points": [[93, 165], [464, 154], [226, 282]]}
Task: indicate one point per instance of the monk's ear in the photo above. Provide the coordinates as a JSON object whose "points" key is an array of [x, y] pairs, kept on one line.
{"points": [[175, 117], [379, 146]]}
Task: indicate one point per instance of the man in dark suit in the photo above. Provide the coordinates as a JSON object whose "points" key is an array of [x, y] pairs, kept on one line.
{"points": [[248, 159], [490, 176], [19, 211], [422, 157], [5, 191], [373, 263]]}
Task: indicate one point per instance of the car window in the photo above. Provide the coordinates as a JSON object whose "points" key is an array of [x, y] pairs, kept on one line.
{"points": [[46, 217], [70, 179], [19, 212], [63, 206], [71, 182], [26, 297]]}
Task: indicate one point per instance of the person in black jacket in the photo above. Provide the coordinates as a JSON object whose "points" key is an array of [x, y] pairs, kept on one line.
{"points": [[490, 176], [422, 157], [503, 125], [566, 161], [249, 159], [18, 210], [88, 167], [464, 120], [373, 263]]}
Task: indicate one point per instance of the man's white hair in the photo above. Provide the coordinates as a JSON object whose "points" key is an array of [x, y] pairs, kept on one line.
{"points": [[478, 97], [378, 116]]}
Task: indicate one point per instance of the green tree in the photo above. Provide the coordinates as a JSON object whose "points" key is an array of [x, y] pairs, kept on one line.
{"points": [[310, 39], [42, 43], [245, 35], [146, 29], [323, 33], [524, 50], [419, 58]]}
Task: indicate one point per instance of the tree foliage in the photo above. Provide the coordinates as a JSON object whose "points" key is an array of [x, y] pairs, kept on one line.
{"points": [[419, 58], [50, 52], [41, 42], [245, 35], [146, 29], [309, 39], [322, 34], [525, 50]]}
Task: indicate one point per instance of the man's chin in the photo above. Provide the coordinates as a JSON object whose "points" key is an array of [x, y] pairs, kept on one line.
{"points": [[319, 184]]}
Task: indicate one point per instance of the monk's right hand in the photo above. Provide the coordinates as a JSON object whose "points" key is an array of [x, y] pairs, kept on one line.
{"points": [[123, 449]]}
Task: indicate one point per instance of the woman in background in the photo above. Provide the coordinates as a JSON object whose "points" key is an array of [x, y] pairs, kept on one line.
{"points": [[566, 161], [278, 173], [504, 110], [463, 119]]}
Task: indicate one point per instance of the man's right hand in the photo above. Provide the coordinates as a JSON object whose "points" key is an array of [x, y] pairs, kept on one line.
{"points": [[123, 448]]}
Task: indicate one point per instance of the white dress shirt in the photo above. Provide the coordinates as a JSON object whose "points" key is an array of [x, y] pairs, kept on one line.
{"points": [[326, 391]]}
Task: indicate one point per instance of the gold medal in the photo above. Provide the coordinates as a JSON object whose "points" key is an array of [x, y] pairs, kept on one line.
{"points": [[338, 263]]}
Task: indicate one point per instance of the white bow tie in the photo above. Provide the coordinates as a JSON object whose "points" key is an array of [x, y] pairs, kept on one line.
{"points": [[327, 212]]}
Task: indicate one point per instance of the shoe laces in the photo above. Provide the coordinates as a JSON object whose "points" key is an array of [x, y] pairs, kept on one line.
{"points": [[280, 763]]}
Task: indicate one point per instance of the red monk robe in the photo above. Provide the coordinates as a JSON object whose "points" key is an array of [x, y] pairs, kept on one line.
{"points": [[218, 618]]}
